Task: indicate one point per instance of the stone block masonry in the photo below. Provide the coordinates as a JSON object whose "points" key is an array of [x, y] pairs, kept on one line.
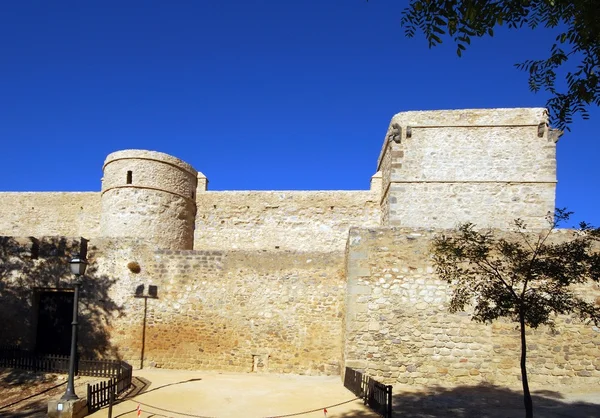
{"points": [[30, 267], [149, 195], [297, 281], [441, 168], [40, 214], [283, 220], [397, 324], [232, 310]]}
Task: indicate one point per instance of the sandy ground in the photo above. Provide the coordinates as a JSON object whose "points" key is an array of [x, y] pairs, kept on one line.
{"points": [[168, 393], [213, 394], [26, 394], [185, 394]]}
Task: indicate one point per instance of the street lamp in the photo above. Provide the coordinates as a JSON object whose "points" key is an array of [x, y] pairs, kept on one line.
{"points": [[78, 265], [152, 294]]}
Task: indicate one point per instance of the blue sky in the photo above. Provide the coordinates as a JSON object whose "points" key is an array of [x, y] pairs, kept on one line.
{"points": [[284, 95]]}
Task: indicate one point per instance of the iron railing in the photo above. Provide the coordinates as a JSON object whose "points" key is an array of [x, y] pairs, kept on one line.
{"points": [[16, 358], [379, 397], [374, 394], [23, 360], [119, 372], [354, 382], [101, 394]]}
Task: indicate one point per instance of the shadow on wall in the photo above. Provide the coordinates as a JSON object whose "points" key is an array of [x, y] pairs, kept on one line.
{"points": [[36, 298], [485, 401]]}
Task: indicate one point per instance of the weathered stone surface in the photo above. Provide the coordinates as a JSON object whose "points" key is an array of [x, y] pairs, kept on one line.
{"points": [[40, 214], [482, 166], [275, 311], [149, 195], [285, 220], [299, 281], [431, 346]]}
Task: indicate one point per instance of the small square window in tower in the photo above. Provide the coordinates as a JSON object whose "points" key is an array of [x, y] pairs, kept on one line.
{"points": [[129, 177]]}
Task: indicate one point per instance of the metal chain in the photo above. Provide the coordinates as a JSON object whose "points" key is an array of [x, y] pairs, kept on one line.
{"points": [[273, 416]]}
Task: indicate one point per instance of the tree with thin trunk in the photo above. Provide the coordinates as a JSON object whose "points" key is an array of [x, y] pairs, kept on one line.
{"points": [[526, 277]]}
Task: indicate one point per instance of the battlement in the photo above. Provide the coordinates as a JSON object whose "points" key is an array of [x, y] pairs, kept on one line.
{"points": [[302, 282], [435, 170], [486, 166]]}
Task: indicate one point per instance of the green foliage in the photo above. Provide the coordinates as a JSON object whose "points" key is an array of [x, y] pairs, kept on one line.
{"points": [[528, 275], [580, 42], [528, 278]]}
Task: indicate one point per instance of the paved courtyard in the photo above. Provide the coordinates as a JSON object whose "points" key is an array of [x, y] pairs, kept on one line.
{"points": [[168, 393], [185, 394]]}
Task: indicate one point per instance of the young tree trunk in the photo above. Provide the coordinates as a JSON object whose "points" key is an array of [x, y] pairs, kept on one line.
{"points": [[526, 394]]}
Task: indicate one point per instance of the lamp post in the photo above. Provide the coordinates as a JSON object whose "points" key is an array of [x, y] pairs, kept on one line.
{"points": [[78, 265], [152, 294]]}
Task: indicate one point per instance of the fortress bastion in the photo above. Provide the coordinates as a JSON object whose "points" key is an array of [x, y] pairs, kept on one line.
{"points": [[294, 281]]}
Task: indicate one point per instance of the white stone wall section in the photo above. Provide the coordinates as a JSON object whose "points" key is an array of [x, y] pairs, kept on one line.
{"points": [[149, 195], [486, 166]]}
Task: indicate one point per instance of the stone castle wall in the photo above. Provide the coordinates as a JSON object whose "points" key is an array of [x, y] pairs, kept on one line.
{"points": [[149, 195], [275, 311], [299, 281], [441, 168], [379, 307], [41, 214], [436, 169], [164, 205], [397, 324], [245, 220], [282, 220]]}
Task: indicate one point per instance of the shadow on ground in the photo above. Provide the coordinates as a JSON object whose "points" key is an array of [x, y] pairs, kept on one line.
{"points": [[26, 393], [140, 385], [31, 269], [485, 401]]}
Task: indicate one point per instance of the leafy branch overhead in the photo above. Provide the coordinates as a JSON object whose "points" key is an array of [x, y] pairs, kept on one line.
{"points": [[579, 41]]}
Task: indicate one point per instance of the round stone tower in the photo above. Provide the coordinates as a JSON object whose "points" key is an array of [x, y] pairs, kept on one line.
{"points": [[149, 195]]}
